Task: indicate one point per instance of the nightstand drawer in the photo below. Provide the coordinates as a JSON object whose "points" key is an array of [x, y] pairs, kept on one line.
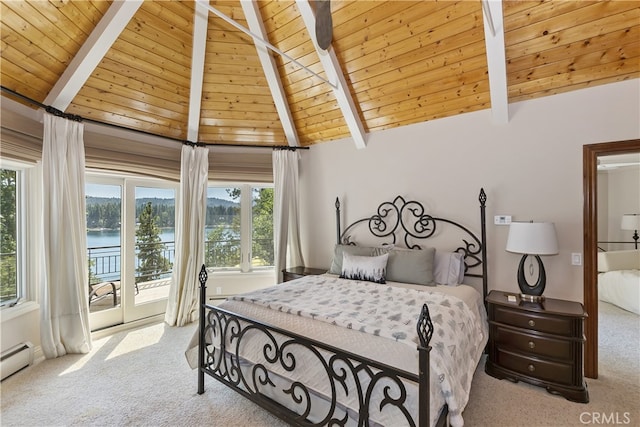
{"points": [[561, 349], [559, 373], [534, 321]]}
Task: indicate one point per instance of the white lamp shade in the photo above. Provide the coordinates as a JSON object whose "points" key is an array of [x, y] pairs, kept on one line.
{"points": [[630, 222], [532, 238]]}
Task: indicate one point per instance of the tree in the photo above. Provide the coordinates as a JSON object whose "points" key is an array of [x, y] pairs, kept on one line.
{"points": [[151, 262], [263, 253], [8, 247], [93, 279], [223, 248]]}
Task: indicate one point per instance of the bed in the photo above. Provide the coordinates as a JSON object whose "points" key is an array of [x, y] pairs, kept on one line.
{"points": [[619, 279], [350, 348]]}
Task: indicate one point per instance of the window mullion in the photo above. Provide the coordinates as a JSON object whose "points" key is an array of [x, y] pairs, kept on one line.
{"points": [[245, 227]]}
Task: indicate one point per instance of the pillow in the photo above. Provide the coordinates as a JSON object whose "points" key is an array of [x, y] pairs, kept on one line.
{"points": [[410, 265], [619, 260], [340, 250], [368, 268], [448, 268]]}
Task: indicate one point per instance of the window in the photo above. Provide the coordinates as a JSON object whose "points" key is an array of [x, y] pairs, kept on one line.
{"points": [[11, 259], [239, 228]]}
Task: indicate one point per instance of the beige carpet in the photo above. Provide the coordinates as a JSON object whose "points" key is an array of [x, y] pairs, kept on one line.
{"points": [[140, 378]]}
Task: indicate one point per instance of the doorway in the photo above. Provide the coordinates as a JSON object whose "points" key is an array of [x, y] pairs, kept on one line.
{"points": [[590, 154]]}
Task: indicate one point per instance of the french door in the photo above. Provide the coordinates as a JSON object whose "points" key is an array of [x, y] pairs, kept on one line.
{"points": [[130, 246]]}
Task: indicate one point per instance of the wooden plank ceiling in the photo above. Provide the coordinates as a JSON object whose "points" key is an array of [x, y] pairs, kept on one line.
{"points": [[403, 62]]}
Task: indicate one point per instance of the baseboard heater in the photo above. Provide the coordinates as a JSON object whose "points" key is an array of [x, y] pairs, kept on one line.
{"points": [[15, 359]]}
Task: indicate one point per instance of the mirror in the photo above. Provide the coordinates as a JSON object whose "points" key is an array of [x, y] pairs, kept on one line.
{"points": [[590, 155], [618, 194]]}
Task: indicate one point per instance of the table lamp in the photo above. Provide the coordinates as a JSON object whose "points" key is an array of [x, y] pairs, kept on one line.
{"points": [[532, 239], [631, 222]]}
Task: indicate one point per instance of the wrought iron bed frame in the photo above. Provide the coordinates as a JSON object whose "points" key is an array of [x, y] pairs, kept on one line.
{"points": [[341, 367]]}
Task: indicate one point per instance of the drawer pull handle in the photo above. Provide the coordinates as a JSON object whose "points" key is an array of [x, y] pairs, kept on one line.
{"points": [[532, 345], [532, 323], [531, 368]]}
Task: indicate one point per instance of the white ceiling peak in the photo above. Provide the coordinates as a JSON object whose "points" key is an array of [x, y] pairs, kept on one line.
{"points": [[336, 77], [91, 53], [496, 59]]}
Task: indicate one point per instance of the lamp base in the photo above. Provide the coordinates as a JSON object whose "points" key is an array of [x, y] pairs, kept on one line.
{"points": [[532, 298], [528, 290]]}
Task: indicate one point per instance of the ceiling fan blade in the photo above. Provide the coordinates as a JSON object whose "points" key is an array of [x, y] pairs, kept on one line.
{"points": [[324, 23]]}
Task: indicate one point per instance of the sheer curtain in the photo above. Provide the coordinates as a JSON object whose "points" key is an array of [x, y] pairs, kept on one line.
{"points": [[64, 306], [286, 227], [182, 307]]}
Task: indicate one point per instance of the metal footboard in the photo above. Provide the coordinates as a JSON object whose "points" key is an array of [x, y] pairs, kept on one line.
{"points": [[223, 334]]}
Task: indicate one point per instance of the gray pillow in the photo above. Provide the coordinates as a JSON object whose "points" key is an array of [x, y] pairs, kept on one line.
{"points": [[340, 250], [410, 265]]}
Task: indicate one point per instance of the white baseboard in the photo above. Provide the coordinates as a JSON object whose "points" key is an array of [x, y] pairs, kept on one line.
{"points": [[96, 335]]}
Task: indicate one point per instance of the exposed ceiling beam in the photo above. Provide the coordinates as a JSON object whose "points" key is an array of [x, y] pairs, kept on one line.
{"points": [[200, 21], [257, 38], [254, 19], [496, 59], [336, 77], [91, 53]]}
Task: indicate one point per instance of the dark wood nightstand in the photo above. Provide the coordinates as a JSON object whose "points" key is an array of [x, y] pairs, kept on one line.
{"points": [[540, 343], [297, 272]]}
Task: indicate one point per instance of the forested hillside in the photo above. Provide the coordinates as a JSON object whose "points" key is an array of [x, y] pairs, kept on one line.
{"points": [[104, 212]]}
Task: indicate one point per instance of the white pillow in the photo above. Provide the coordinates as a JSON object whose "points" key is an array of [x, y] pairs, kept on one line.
{"points": [[368, 268], [619, 260], [448, 268], [340, 250]]}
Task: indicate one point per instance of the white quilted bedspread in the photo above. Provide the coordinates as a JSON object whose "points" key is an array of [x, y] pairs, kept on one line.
{"points": [[391, 312]]}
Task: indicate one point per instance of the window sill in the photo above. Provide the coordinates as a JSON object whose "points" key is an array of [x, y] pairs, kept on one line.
{"points": [[238, 274], [20, 309]]}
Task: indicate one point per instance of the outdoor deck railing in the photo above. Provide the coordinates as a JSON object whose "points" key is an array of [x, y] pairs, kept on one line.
{"points": [[105, 261]]}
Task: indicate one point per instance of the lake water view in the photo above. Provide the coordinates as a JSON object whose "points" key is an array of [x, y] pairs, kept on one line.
{"points": [[106, 261], [101, 238]]}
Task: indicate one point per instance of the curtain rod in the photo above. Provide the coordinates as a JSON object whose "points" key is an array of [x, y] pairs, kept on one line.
{"points": [[58, 113]]}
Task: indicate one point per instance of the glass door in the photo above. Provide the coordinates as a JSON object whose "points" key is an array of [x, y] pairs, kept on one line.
{"points": [[130, 248], [151, 234], [104, 252]]}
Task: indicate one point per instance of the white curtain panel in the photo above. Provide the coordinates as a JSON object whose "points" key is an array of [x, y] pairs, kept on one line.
{"points": [[286, 224], [34, 233], [182, 307], [64, 305]]}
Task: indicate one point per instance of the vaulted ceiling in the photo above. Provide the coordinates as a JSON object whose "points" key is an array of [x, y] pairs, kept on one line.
{"points": [[190, 71]]}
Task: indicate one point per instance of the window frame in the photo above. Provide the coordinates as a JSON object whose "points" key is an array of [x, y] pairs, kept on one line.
{"points": [[246, 227], [23, 293]]}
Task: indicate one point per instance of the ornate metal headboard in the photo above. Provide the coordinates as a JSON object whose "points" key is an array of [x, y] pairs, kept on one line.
{"points": [[406, 222]]}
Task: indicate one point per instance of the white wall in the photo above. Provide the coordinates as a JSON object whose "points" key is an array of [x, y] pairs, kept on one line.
{"points": [[530, 168], [624, 197]]}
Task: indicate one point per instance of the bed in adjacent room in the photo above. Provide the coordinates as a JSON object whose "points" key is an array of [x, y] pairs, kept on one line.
{"points": [[350, 347], [619, 279]]}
